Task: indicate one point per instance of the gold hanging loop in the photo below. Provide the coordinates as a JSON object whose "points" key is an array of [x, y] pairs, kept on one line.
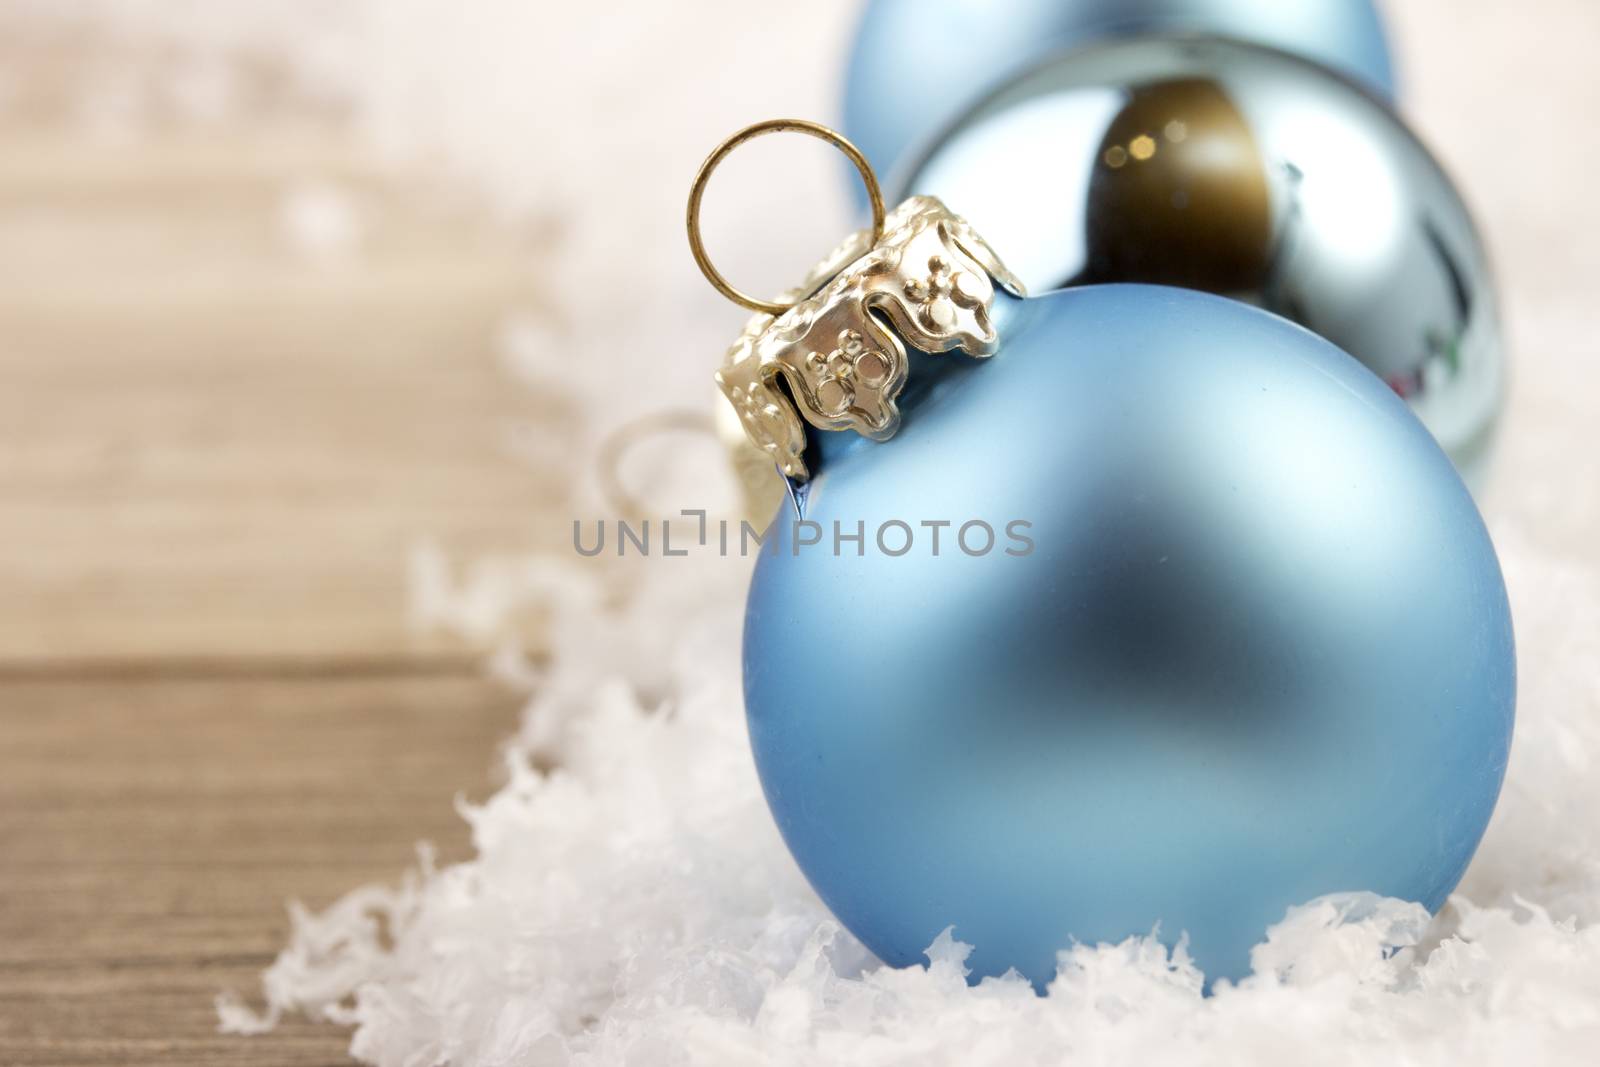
{"points": [[749, 133]]}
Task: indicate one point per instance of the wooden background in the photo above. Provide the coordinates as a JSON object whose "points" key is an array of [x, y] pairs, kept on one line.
{"points": [[218, 447]]}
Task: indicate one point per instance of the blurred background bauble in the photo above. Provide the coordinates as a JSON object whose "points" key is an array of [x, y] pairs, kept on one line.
{"points": [[916, 63], [1235, 169]]}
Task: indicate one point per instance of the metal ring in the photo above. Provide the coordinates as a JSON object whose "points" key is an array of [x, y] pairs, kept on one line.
{"points": [[697, 190]]}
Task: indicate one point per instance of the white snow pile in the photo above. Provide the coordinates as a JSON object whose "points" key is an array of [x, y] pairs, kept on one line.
{"points": [[631, 902]]}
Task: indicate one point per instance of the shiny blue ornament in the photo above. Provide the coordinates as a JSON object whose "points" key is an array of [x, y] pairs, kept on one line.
{"points": [[1234, 169], [1240, 640], [916, 64]]}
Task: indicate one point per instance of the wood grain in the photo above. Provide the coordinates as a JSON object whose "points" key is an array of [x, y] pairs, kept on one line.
{"points": [[211, 446], [151, 831], [219, 443]]}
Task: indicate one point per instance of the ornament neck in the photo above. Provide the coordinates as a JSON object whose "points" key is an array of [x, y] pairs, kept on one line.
{"points": [[930, 376], [839, 358], [836, 353]]}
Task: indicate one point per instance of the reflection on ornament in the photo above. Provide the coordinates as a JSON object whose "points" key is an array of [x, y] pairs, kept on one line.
{"points": [[1186, 204]]}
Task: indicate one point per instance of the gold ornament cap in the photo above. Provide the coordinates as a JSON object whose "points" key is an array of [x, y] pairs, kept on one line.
{"points": [[919, 276]]}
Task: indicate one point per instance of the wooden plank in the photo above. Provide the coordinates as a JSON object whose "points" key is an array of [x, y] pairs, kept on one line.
{"points": [[152, 830], [216, 444]]}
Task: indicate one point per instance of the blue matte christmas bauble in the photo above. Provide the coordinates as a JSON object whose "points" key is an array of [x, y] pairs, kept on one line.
{"points": [[1239, 639], [915, 64]]}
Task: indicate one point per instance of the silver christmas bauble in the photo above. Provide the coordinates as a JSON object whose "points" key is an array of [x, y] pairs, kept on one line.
{"points": [[1234, 169]]}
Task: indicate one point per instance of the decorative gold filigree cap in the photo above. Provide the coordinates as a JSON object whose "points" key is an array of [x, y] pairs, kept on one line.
{"points": [[919, 276]]}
